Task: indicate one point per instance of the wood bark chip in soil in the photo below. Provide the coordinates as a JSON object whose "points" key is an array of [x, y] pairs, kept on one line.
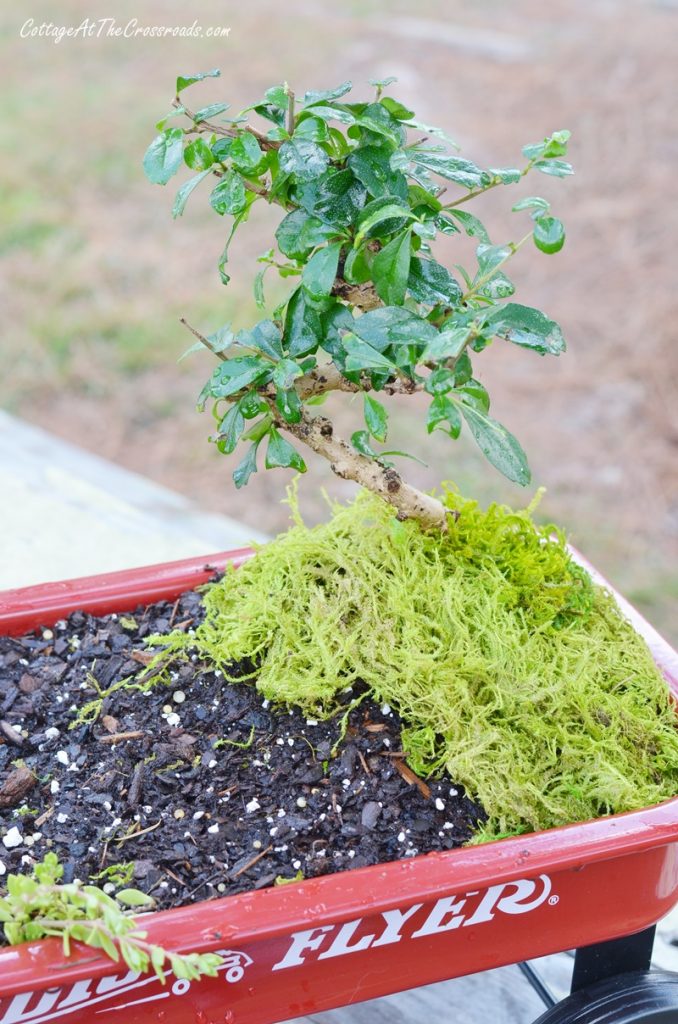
{"points": [[149, 783]]}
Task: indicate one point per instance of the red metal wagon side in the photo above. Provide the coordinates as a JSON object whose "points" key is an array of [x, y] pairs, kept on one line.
{"points": [[344, 938]]}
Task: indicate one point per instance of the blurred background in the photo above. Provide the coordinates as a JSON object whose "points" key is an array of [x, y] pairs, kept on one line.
{"points": [[95, 273]]}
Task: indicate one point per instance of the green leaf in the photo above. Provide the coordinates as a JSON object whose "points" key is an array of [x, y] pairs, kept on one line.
{"points": [[134, 898], [229, 195], [499, 287], [258, 288], [430, 129], [553, 145], [304, 160], [335, 197], [246, 153], [164, 155], [330, 112], [320, 272], [474, 394], [184, 192], [391, 267], [507, 175], [528, 328], [490, 256], [233, 375], [209, 111], [303, 328], [471, 225], [313, 96], [361, 442], [382, 83], [280, 453], [386, 208], [260, 429], [393, 325], [298, 233], [447, 345], [246, 467], [285, 373], [288, 405], [440, 381], [198, 155], [377, 119], [532, 203], [230, 429], [358, 265], [183, 81], [311, 128], [497, 445], [557, 168], [361, 356], [452, 168], [376, 418], [265, 336], [396, 109], [371, 165], [431, 283], [221, 148], [443, 415], [549, 234]]}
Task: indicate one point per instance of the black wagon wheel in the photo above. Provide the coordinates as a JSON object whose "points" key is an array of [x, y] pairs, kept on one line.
{"points": [[639, 997]]}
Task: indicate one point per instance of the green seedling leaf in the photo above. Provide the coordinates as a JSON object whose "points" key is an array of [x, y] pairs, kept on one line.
{"points": [[549, 234], [163, 157], [134, 898]]}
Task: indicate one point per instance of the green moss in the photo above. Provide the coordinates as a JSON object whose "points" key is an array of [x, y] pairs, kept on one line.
{"points": [[509, 667]]}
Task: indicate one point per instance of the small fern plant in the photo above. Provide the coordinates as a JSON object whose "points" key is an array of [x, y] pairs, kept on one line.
{"points": [[38, 905], [364, 190]]}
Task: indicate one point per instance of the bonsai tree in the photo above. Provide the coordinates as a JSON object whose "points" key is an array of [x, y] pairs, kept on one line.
{"points": [[363, 189]]}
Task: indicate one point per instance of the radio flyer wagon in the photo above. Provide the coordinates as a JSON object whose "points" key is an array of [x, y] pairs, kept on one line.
{"points": [[597, 887]]}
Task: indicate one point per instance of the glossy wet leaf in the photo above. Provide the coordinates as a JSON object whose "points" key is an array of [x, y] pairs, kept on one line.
{"points": [[527, 327], [246, 467], [298, 233], [362, 356], [305, 160], [184, 192], [198, 155], [303, 327], [323, 95], [443, 415], [497, 445], [549, 234], [393, 325], [264, 336], [376, 418], [431, 283], [212, 110], [281, 454], [183, 81], [372, 166], [230, 429], [391, 268], [164, 156], [452, 168], [320, 272], [556, 168], [336, 197], [229, 195]]}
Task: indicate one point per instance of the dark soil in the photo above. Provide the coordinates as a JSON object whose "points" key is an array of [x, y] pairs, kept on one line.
{"points": [[157, 780]]}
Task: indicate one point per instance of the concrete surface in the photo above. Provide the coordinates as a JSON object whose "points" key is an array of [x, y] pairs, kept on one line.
{"points": [[64, 512]]}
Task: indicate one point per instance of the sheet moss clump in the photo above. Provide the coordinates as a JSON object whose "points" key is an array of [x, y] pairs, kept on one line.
{"points": [[510, 668]]}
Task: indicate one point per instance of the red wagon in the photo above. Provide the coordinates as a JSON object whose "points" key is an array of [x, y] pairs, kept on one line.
{"points": [[597, 887]]}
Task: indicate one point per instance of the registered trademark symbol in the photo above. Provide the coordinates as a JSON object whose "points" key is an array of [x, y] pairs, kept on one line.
{"points": [[553, 900]]}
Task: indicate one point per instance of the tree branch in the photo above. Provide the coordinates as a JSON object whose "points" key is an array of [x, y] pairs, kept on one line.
{"points": [[318, 433]]}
